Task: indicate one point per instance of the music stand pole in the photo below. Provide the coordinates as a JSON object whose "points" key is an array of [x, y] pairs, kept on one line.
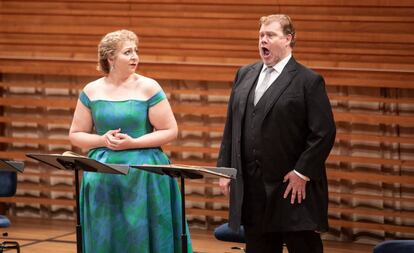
{"points": [[76, 167], [79, 239], [183, 232]]}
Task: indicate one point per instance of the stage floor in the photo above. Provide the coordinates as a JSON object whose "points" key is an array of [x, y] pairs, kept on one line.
{"points": [[42, 235]]}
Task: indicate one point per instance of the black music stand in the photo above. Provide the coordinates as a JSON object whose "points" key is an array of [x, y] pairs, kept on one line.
{"points": [[77, 163], [191, 172], [11, 166]]}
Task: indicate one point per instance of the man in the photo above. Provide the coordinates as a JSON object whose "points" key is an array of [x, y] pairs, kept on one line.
{"points": [[278, 133]]}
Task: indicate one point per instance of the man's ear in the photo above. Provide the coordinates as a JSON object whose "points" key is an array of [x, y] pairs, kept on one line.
{"points": [[289, 39]]}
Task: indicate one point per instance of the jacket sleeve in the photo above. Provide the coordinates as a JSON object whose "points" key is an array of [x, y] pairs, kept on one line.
{"points": [[224, 158], [322, 131]]}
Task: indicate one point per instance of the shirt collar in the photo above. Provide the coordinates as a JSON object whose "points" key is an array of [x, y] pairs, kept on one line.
{"points": [[280, 65]]}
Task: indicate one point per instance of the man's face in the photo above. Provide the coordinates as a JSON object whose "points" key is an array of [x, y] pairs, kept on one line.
{"points": [[273, 44]]}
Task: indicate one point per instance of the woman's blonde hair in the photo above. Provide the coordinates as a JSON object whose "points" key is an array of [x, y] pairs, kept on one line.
{"points": [[109, 45]]}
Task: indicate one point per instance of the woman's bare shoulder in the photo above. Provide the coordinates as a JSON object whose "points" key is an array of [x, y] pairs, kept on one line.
{"points": [[91, 88], [149, 86]]}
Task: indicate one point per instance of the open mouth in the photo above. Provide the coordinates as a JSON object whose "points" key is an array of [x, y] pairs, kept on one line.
{"points": [[265, 51]]}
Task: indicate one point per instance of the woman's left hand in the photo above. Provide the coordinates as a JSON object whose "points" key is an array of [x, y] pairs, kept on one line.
{"points": [[123, 141]]}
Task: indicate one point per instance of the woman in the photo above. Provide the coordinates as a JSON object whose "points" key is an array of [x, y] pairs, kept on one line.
{"points": [[123, 118]]}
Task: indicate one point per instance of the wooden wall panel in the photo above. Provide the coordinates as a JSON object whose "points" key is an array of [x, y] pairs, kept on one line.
{"points": [[364, 50]]}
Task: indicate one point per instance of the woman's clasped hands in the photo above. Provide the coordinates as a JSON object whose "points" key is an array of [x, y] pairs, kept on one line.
{"points": [[116, 140]]}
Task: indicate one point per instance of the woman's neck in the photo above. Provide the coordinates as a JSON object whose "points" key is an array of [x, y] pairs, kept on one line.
{"points": [[118, 80]]}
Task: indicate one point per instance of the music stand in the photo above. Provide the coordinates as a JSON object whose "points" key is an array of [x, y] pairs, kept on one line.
{"points": [[13, 166], [77, 163], [191, 172]]}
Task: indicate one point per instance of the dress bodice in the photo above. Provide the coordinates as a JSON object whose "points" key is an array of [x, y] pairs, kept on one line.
{"points": [[131, 115]]}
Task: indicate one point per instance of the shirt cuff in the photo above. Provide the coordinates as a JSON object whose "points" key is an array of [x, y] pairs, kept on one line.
{"points": [[302, 176]]}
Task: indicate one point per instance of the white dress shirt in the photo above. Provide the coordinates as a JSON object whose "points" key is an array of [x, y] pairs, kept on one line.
{"points": [[275, 74]]}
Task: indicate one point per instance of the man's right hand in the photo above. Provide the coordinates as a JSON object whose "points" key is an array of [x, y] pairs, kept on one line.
{"points": [[224, 186]]}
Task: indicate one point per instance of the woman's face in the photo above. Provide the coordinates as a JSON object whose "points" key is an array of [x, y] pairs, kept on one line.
{"points": [[126, 58]]}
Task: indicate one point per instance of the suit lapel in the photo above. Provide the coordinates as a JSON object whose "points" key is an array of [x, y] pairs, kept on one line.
{"points": [[280, 84], [246, 85]]}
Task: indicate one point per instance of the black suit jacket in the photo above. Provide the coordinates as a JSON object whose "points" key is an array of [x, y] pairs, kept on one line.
{"points": [[298, 132]]}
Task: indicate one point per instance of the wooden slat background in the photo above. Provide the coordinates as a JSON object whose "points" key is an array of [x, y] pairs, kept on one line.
{"points": [[364, 49]]}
